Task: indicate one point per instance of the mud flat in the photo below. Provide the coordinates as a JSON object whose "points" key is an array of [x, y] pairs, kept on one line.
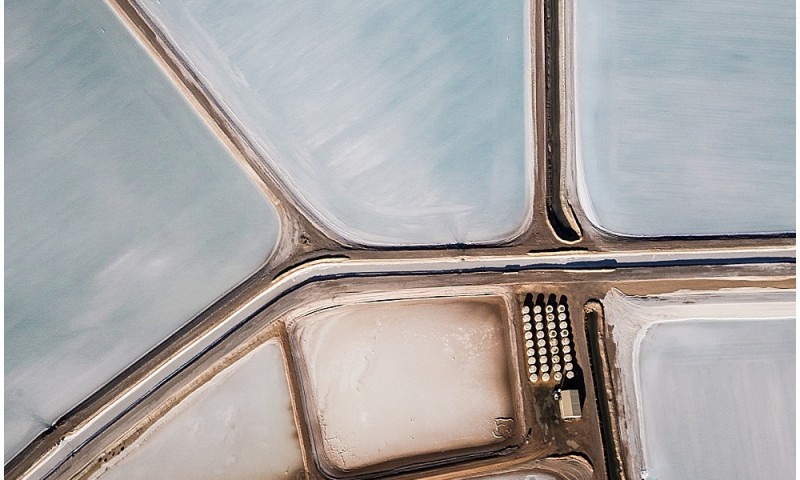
{"points": [[392, 123], [238, 425], [685, 116], [394, 383], [708, 382], [125, 216]]}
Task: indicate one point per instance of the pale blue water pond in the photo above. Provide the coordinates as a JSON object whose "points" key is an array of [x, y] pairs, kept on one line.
{"points": [[124, 215], [397, 123], [718, 399], [686, 115]]}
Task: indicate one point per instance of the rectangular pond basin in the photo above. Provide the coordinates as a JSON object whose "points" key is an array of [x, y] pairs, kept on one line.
{"points": [[708, 382], [685, 116], [395, 123], [718, 398], [397, 383]]}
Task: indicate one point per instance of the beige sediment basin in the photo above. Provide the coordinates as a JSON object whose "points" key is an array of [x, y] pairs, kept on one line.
{"points": [[407, 381]]}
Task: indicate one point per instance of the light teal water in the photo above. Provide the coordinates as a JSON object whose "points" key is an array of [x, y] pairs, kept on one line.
{"points": [[399, 123], [124, 215], [686, 112]]}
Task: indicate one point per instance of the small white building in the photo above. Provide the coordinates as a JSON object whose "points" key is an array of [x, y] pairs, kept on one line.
{"points": [[569, 402]]}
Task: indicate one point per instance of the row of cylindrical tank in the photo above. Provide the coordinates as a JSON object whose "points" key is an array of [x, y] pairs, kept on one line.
{"points": [[547, 336]]}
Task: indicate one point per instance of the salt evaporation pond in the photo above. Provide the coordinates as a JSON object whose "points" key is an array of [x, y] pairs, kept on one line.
{"points": [[391, 380], [718, 399], [686, 116], [238, 425], [398, 123], [710, 380], [124, 215]]}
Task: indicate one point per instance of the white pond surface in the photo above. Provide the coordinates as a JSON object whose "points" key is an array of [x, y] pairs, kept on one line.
{"points": [[404, 378], [712, 382], [720, 396], [686, 115], [398, 123], [124, 215], [238, 425]]}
